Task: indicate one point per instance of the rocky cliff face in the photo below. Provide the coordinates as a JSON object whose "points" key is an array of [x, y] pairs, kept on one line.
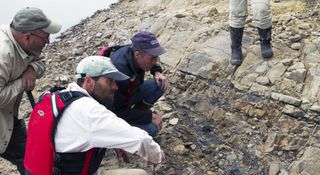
{"points": [[260, 118]]}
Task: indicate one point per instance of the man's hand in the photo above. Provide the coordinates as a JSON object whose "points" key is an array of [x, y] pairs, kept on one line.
{"points": [[156, 119], [161, 81], [162, 157], [29, 79], [122, 155]]}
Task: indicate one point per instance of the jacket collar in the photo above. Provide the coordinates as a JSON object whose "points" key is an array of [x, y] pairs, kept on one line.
{"points": [[6, 30]]}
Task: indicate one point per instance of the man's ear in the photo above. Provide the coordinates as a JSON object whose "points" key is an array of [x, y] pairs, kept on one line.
{"points": [[136, 54], [88, 84], [24, 39]]}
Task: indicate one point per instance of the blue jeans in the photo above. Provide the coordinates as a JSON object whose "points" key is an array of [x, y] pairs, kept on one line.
{"points": [[148, 92], [150, 128]]}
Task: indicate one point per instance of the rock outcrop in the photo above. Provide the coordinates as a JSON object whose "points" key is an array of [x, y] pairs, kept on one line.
{"points": [[259, 118]]}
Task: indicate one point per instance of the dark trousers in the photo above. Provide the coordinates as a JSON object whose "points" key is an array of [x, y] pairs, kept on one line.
{"points": [[16, 148]]}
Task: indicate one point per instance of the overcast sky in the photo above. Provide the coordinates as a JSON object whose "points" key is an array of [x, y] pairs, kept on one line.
{"points": [[67, 12]]}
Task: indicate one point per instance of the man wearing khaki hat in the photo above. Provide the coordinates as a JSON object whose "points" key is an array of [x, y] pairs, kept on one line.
{"points": [[21, 44]]}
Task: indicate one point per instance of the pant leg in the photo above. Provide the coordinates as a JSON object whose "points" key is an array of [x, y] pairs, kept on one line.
{"points": [[150, 128], [238, 13], [16, 148], [262, 13], [149, 92]]}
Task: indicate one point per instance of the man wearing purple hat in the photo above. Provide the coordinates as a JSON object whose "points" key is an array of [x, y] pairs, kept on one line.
{"points": [[136, 96], [21, 44]]}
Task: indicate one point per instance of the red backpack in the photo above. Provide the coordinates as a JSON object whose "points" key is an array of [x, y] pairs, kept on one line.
{"points": [[107, 51], [40, 155]]}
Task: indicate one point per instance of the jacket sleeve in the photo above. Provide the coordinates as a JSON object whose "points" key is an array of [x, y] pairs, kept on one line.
{"points": [[39, 66], [155, 68], [9, 89], [109, 131]]}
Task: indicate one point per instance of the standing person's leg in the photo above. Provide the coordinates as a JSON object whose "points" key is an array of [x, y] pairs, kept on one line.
{"points": [[237, 17], [263, 17], [238, 13], [16, 148]]}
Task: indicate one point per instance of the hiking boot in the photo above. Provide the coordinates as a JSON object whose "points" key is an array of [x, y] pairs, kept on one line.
{"points": [[236, 50], [265, 42]]}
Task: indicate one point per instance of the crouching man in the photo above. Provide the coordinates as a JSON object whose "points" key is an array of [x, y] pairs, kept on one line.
{"points": [[81, 127]]}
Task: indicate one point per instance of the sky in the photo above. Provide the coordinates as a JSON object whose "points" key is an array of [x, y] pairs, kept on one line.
{"points": [[66, 12]]}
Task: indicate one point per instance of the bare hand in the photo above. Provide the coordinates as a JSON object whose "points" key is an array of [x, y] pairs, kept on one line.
{"points": [[29, 79], [162, 155], [122, 155], [156, 119], [161, 81]]}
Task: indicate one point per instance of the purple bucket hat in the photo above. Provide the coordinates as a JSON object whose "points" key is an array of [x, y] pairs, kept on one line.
{"points": [[148, 42]]}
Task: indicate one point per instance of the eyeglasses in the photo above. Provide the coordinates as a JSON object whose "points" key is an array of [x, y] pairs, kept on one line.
{"points": [[46, 40]]}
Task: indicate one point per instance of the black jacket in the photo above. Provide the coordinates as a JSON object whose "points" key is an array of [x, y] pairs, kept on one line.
{"points": [[123, 60]]}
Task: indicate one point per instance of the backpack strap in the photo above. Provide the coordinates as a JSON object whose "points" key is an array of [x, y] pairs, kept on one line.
{"points": [[67, 97], [85, 168], [108, 51]]}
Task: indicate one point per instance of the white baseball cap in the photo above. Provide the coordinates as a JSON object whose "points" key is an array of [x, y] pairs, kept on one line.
{"points": [[95, 66]]}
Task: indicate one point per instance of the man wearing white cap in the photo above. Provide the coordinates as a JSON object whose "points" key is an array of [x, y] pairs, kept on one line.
{"points": [[86, 125], [21, 44]]}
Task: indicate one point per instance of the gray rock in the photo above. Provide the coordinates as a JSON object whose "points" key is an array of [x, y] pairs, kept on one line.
{"points": [[180, 149], [315, 107], [286, 99], [174, 121], [274, 168], [79, 51], [276, 72], [298, 65], [293, 111], [310, 47], [287, 62], [231, 157], [261, 89], [312, 58], [249, 79], [295, 38], [263, 80], [309, 163], [297, 75], [260, 69], [296, 46], [311, 89], [283, 172]]}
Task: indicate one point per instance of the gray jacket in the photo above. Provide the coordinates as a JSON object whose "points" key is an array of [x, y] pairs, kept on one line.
{"points": [[13, 62]]}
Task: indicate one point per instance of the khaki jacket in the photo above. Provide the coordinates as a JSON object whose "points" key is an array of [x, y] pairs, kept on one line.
{"points": [[13, 62]]}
